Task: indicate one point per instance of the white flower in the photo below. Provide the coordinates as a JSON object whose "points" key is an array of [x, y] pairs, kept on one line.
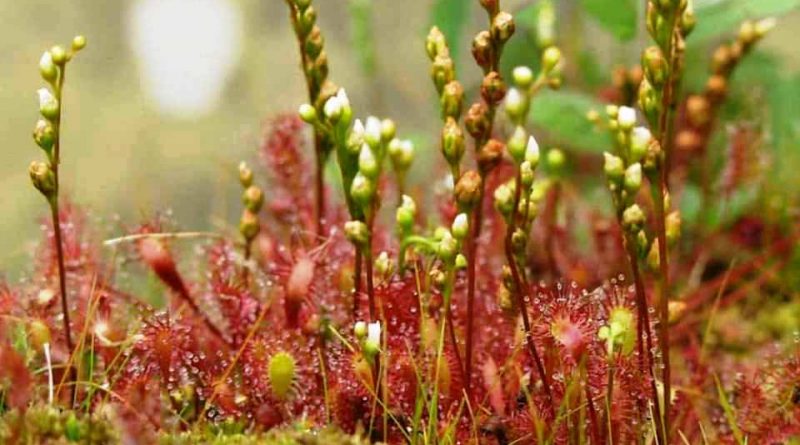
{"points": [[358, 129], [47, 67], [343, 99], [372, 131], [626, 117], [641, 136], [532, 152], [515, 104], [373, 341], [46, 98]]}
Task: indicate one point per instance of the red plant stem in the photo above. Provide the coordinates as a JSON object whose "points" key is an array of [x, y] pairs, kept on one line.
{"points": [[550, 238], [55, 214], [594, 426], [522, 294], [356, 282], [644, 337], [320, 184], [472, 260], [369, 262]]}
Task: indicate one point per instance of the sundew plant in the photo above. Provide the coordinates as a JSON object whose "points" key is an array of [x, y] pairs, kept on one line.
{"points": [[600, 253]]}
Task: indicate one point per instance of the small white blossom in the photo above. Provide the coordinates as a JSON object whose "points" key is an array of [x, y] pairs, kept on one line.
{"points": [[626, 117]]}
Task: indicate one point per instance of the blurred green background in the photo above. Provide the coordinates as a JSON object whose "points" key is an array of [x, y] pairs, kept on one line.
{"points": [[170, 94]]}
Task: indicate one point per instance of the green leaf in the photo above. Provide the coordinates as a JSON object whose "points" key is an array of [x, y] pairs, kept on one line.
{"points": [[451, 16], [715, 17], [562, 116], [619, 17]]}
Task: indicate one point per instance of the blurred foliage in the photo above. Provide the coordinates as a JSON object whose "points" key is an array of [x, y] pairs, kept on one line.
{"points": [[620, 17]]}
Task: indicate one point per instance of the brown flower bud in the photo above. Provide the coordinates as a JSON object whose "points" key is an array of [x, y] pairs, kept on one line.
{"points": [[482, 49], [721, 60], [491, 6], [245, 175], [468, 190], [493, 89], [452, 100], [477, 121], [490, 155], [314, 43], [248, 225], [43, 178], [435, 44], [655, 66], [698, 110], [716, 88], [452, 142], [502, 27]]}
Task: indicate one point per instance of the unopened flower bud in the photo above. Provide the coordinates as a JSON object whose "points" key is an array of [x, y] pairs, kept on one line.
{"points": [[460, 226], [614, 167], [655, 66], [356, 232], [672, 226], [519, 239], [447, 248], [626, 118], [532, 152], [314, 43], [373, 132], [482, 50], [452, 100], [333, 109], [688, 19], [452, 142], [253, 198], [435, 44], [633, 178], [468, 190], [388, 130], [43, 178], [612, 111], [47, 68], [383, 264], [401, 152], [248, 225], [502, 27], [556, 160], [490, 155], [44, 135], [763, 26], [490, 6], [493, 89], [526, 174], [675, 309], [716, 88], [443, 71], [476, 121], [245, 175], [516, 105], [653, 255], [305, 22], [308, 113], [360, 330], [367, 164], [48, 105], [551, 60], [633, 218], [461, 262], [59, 55], [504, 199], [698, 110], [406, 214], [78, 43], [362, 190], [649, 101], [517, 144], [640, 139], [523, 77]]}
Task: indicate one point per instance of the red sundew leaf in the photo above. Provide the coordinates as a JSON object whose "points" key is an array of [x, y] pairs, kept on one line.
{"points": [[15, 377]]}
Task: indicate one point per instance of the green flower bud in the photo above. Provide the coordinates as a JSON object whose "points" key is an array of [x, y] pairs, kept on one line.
{"points": [[362, 190], [460, 226], [688, 19], [523, 77], [253, 198], [649, 101], [633, 178], [545, 24], [672, 226], [249, 225], [532, 152], [518, 143], [519, 240], [372, 344], [435, 44], [763, 26], [612, 111], [43, 178], [78, 43], [308, 114], [406, 214], [452, 142], [447, 248], [314, 43], [504, 199], [47, 68], [305, 22], [48, 105], [640, 140], [245, 175], [452, 100], [301, 4], [401, 152], [356, 232], [526, 174], [633, 218], [551, 60], [388, 130], [59, 55], [516, 105], [614, 167], [44, 135], [461, 262], [367, 164], [383, 264], [360, 330], [655, 66], [443, 71], [373, 132], [556, 160], [502, 27]]}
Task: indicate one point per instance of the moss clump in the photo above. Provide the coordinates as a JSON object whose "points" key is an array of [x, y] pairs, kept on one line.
{"points": [[290, 436], [46, 424]]}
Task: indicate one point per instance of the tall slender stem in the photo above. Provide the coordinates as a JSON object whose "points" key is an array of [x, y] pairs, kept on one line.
{"points": [[472, 254]]}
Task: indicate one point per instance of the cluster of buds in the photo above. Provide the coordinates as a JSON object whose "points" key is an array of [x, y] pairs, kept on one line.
{"points": [[637, 154], [312, 48], [47, 130], [668, 22], [701, 109], [252, 200]]}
